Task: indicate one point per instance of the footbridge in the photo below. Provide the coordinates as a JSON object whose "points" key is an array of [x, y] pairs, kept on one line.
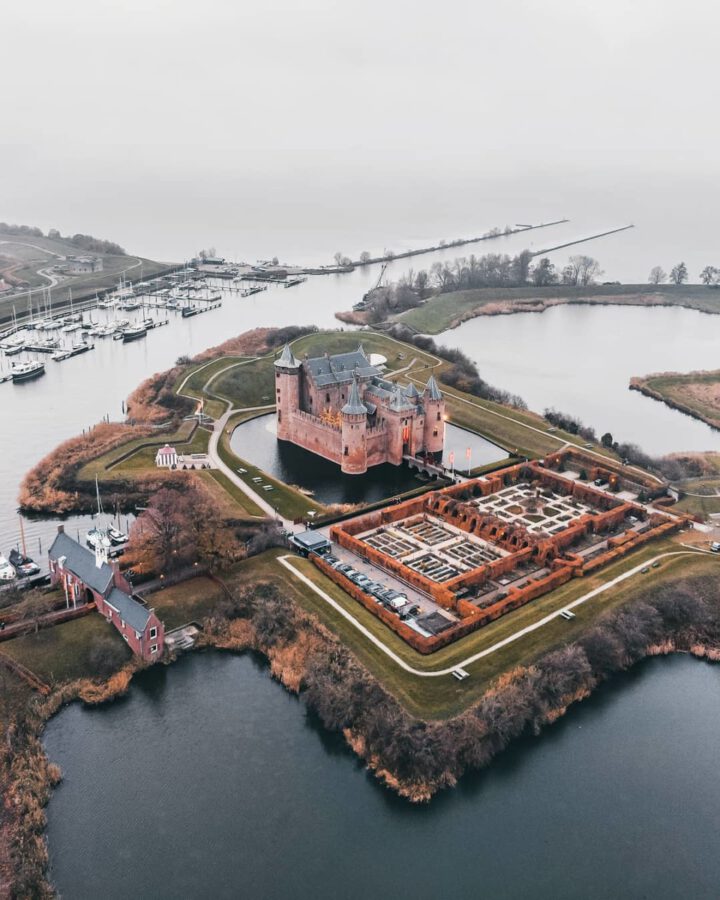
{"points": [[433, 469]]}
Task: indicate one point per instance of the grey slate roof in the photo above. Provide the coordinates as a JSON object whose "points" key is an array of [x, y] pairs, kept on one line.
{"points": [[399, 401], [354, 405], [81, 562], [135, 614], [411, 391], [287, 360], [432, 390], [340, 368]]}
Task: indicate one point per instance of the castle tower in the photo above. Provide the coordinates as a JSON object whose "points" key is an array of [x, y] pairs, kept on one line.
{"points": [[434, 403], [287, 392], [354, 434]]}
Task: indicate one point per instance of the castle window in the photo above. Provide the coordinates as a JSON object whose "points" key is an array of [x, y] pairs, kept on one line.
{"points": [[279, 415], [327, 398], [439, 416], [435, 432], [345, 451]]}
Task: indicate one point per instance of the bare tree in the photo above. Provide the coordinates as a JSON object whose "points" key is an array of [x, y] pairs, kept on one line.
{"points": [[544, 273], [657, 275], [365, 258], [338, 257], [679, 273], [709, 275]]}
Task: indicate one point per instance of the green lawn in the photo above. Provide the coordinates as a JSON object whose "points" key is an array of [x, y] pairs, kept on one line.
{"points": [[246, 384], [289, 503], [440, 312], [241, 501], [106, 466], [444, 696], [61, 653], [189, 601]]}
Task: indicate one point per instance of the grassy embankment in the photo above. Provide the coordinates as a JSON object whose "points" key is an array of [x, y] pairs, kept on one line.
{"points": [[448, 310], [60, 653], [117, 466], [695, 393]]}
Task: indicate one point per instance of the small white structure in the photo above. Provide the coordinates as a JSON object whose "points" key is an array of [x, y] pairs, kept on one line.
{"points": [[166, 457]]}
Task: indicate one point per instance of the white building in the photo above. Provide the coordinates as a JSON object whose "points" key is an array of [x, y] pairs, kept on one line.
{"points": [[166, 457]]}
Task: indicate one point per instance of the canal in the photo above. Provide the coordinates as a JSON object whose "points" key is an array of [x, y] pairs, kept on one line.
{"points": [[210, 780]]}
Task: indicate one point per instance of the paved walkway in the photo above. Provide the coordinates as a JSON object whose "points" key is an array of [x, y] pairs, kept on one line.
{"points": [[234, 477], [462, 664]]}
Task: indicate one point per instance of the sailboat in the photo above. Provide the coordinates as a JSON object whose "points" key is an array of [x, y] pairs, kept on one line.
{"points": [[108, 536], [20, 561]]}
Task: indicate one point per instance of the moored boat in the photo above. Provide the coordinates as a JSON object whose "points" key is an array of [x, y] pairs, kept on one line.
{"points": [[24, 371], [134, 333], [23, 565], [7, 570]]}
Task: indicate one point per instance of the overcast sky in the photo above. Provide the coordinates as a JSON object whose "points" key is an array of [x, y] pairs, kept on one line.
{"points": [[112, 97]]}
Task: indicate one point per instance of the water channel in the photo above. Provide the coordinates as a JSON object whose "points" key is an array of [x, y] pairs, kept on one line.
{"points": [[256, 442], [210, 780]]}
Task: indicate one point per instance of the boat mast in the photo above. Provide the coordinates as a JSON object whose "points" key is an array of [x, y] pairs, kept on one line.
{"points": [[22, 536]]}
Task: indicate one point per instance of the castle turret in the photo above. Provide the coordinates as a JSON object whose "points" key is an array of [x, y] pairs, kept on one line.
{"points": [[287, 391], [434, 403], [354, 434]]}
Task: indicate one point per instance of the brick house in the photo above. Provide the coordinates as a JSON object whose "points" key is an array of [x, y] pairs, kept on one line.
{"points": [[88, 577], [340, 407]]}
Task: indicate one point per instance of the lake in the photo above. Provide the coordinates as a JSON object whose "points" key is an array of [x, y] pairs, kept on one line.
{"points": [[210, 780], [579, 359]]}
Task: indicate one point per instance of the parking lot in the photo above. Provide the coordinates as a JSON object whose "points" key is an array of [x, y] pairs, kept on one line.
{"points": [[385, 581]]}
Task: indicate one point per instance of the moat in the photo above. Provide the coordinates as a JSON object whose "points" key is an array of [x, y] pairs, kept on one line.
{"points": [[210, 780], [256, 441]]}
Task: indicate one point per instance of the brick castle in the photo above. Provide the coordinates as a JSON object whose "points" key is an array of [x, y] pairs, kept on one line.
{"points": [[341, 408]]}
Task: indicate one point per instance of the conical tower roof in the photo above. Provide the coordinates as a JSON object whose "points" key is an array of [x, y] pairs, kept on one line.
{"points": [[287, 360], [411, 391], [432, 391], [354, 405]]}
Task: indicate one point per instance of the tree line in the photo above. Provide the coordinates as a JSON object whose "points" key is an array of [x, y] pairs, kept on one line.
{"points": [[497, 270], [427, 756], [710, 275]]}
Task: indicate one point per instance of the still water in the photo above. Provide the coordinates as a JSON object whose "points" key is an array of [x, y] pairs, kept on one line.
{"points": [[256, 441], [210, 780], [579, 359]]}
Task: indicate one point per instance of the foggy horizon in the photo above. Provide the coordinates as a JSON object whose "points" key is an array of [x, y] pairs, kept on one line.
{"points": [[294, 130]]}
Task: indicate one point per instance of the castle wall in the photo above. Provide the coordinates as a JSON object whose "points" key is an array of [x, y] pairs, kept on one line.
{"points": [[315, 435]]}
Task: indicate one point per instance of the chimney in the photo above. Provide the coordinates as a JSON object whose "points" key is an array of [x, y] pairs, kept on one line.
{"points": [[61, 529]]}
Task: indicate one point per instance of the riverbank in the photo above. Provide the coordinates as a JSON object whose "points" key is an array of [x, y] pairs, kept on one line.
{"points": [[121, 454], [445, 311], [696, 394], [413, 757]]}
